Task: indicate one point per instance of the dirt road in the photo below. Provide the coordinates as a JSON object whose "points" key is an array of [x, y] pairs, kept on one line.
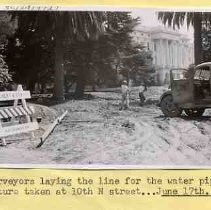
{"points": [[97, 132]]}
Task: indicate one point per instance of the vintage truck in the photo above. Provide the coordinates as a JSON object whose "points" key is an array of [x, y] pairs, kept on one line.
{"points": [[190, 91]]}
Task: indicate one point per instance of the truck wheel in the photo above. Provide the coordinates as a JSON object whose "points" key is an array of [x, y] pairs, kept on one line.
{"points": [[169, 108], [194, 112]]}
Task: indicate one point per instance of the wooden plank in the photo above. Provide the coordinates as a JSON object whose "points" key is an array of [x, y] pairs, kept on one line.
{"points": [[8, 113], [28, 111], [18, 111], [14, 95], [3, 114], [14, 111], [42, 95], [23, 111], [31, 108], [17, 129], [51, 128]]}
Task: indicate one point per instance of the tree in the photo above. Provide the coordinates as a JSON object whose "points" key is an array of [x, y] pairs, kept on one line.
{"points": [[138, 65], [29, 55], [71, 26], [61, 28], [177, 19], [206, 41], [7, 29], [115, 43], [94, 61], [90, 55], [5, 76]]}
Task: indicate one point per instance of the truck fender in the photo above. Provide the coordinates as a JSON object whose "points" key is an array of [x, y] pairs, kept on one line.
{"points": [[168, 92]]}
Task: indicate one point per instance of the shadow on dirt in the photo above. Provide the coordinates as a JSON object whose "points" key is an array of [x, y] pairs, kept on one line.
{"points": [[199, 119], [187, 118], [52, 101]]}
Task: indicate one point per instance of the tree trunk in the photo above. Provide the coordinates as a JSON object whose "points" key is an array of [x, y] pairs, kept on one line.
{"points": [[80, 86], [197, 37], [31, 85], [83, 72], [59, 60], [128, 77]]}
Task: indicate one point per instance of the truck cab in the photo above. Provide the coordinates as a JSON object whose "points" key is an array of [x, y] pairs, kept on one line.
{"points": [[190, 91]]}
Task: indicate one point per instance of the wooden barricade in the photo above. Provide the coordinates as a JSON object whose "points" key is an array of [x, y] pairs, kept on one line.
{"points": [[15, 114]]}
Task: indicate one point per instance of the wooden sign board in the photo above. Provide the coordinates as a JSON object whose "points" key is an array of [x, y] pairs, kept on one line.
{"points": [[17, 129], [15, 112], [13, 95]]}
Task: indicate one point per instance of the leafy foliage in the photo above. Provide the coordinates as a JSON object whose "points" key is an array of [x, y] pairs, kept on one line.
{"points": [[206, 41], [8, 26], [43, 37], [7, 29], [138, 65], [101, 62], [5, 77], [67, 47], [30, 57], [177, 19]]}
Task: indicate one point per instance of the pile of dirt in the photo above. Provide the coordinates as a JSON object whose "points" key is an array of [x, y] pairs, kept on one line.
{"points": [[47, 114]]}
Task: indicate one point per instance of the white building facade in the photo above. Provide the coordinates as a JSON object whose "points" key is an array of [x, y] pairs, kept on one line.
{"points": [[170, 49]]}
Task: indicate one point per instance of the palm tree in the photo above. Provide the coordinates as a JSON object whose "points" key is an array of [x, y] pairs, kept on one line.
{"points": [[70, 26], [177, 19], [63, 28]]}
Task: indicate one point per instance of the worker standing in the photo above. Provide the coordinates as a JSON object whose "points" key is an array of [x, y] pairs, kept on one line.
{"points": [[141, 95], [125, 95]]}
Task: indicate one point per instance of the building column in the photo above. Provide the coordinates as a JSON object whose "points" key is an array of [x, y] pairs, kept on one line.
{"points": [[180, 55], [173, 48], [160, 52], [176, 54], [167, 53], [183, 55], [163, 54]]}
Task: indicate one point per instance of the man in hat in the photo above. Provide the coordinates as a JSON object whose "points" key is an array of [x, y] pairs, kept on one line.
{"points": [[125, 95]]}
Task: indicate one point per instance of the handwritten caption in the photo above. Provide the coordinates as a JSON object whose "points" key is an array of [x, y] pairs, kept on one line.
{"points": [[106, 186], [31, 8]]}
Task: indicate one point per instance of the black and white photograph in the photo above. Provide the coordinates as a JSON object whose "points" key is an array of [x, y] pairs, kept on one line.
{"points": [[105, 87]]}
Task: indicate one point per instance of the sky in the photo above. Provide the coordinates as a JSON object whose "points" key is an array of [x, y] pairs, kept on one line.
{"points": [[149, 18]]}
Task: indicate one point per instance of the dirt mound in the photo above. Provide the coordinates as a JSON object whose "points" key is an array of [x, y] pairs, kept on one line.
{"points": [[46, 113]]}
